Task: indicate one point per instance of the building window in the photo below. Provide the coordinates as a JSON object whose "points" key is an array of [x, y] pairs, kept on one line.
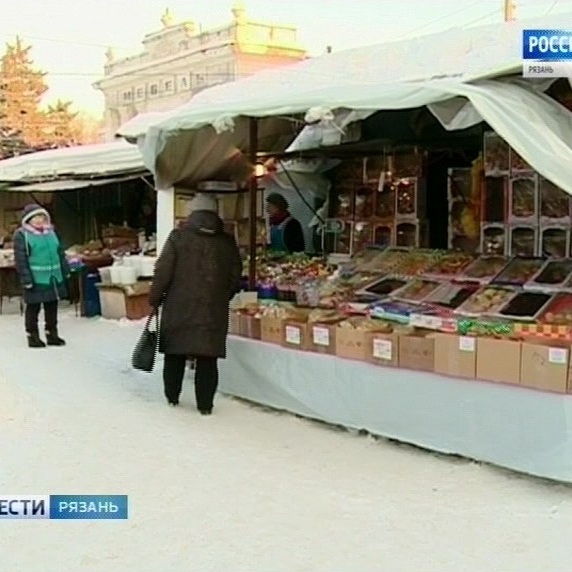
{"points": [[183, 83], [169, 86], [154, 90], [127, 95], [140, 93]]}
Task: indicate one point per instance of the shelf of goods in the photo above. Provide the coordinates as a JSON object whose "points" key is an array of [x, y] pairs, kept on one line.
{"points": [[523, 240], [523, 200], [555, 204], [494, 239], [554, 241], [518, 166]]}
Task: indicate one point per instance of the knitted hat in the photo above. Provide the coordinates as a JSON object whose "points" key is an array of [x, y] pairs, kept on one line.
{"points": [[204, 202], [32, 210], [278, 201]]}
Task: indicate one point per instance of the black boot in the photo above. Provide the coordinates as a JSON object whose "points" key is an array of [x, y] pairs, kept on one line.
{"points": [[53, 339], [34, 341]]}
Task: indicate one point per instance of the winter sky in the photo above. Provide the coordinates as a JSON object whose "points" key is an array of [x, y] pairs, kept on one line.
{"points": [[70, 37]]}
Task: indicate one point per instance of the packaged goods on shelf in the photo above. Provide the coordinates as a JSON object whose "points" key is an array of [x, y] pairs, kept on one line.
{"points": [[554, 203], [523, 241], [496, 155], [494, 239], [554, 241], [523, 200]]}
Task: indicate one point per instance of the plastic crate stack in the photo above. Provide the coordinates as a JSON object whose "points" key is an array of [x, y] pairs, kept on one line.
{"points": [[522, 214]]}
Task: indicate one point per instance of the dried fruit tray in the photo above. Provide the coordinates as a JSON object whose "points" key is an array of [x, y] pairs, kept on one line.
{"points": [[452, 294], [486, 301], [382, 287], [385, 262], [558, 312], [519, 271], [485, 268], [416, 262], [450, 265], [416, 290], [526, 306], [552, 276]]}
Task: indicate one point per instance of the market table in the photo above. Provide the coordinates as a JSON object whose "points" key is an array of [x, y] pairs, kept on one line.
{"points": [[511, 427]]}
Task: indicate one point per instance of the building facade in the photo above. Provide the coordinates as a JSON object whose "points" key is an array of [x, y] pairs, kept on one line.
{"points": [[181, 59]]}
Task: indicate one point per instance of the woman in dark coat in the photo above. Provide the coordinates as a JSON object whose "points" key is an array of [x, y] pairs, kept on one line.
{"points": [[43, 271], [196, 276]]}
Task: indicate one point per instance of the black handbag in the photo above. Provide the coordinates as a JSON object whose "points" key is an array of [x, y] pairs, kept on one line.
{"points": [[145, 352]]}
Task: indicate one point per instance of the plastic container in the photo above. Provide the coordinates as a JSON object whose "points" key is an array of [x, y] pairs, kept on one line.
{"points": [[452, 294], [91, 300], [554, 203], [148, 266], [526, 306], [519, 271], [523, 241], [105, 275], [127, 275], [523, 203], [115, 274], [415, 291], [494, 240], [485, 268], [554, 242]]}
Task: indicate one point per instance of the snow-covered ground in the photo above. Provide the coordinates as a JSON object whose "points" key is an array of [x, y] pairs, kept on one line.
{"points": [[245, 489]]}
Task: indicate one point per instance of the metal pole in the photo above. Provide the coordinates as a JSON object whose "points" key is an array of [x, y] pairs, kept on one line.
{"points": [[253, 198]]}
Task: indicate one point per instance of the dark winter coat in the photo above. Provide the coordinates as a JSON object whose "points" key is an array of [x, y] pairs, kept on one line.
{"points": [[34, 294], [196, 276]]}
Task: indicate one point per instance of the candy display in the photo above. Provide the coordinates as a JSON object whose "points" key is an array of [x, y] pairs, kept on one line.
{"points": [[554, 203], [487, 300], [416, 290], [523, 199], [519, 271], [526, 305], [554, 242], [383, 261], [485, 268], [452, 294], [518, 164], [451, 264], [416, 262], [552, 275], [497, 155]]}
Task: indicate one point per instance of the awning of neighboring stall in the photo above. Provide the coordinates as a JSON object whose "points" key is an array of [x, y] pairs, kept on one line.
{"points": [[102, 160], [461, 75], [66, 184]]}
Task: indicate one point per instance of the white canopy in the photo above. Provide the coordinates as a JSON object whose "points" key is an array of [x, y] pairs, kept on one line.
{"points": [[456, 74], [84, 161]]}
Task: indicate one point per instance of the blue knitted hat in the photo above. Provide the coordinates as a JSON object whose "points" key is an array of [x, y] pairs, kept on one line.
{"points": [[32, 210]]}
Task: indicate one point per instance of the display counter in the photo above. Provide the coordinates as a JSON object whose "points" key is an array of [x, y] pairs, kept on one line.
{"points": [[512, 427]]}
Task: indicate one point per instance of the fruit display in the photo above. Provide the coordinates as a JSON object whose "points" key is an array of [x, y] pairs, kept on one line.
{"points": [[384, 287], [523, 241], [493, 241], [452, 294], [416, 291], [558, 312], [519, 271], [497, 154], [518, 164], [523, 198], [554, 242], [487, 300], [526, 305], [382, 261], [553, 274], [554, 202], [485, 268], [451, 264]]}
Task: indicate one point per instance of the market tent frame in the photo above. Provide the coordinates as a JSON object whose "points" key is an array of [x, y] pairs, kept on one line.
{"points": [[464, 77]]}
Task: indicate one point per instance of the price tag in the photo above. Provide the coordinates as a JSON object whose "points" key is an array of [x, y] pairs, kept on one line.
{"points": [[382, 349], [467, 344], [321, 336], [293, 336], [558, 356]]}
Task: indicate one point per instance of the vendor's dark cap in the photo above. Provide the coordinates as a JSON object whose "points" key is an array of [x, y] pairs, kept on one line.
{"points": [[278, 201]]}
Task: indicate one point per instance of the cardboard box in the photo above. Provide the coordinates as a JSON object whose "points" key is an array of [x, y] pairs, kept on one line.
{"points": [[323, 337], [250, 327], [546, 366], [417, 352], [352, 344], [296, 335], [456, 355], [383, 349], [271, 330], [234, 323], [499, 360]]}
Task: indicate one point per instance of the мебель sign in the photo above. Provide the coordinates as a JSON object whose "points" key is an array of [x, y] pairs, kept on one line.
{"points": [[63, 507], [546, 53]]}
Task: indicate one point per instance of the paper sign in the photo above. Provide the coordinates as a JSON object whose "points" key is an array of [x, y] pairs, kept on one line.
{"points": [[558, 356], [467, 344], [321, 336], [293, 336], [382, 349]]}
